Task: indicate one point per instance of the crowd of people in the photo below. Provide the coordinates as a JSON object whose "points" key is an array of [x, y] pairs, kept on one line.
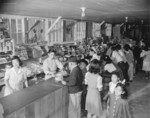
{"points": [[97, 78], [102, 85]]}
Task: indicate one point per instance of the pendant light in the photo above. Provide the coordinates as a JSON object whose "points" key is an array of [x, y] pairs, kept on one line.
{"points": [[83, 11]]}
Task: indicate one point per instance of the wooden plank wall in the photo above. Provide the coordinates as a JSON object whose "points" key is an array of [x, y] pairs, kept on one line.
{"points": [[54, 105]]}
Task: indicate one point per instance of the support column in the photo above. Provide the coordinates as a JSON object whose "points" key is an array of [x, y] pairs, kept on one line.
{"points": [[26, 29], [23, 30], [88, 29], [46, 28], [64, 30]]}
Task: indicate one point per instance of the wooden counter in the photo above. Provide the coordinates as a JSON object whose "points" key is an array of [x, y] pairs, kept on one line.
{"points": [[46, 99]]}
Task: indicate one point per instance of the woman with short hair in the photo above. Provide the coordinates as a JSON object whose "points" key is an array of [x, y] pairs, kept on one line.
{"points": [[94, 83], [15, 77]]}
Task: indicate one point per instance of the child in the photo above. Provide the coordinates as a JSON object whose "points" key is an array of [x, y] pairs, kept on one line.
{"points": [[118, 106], [112, 84], [114, 81]]}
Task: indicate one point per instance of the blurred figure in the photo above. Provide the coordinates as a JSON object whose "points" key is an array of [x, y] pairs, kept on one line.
{"points": [[93, 53], [146, 61], [130, 60], [119, 58], [136, 52], [126, 65], [109, 66]]}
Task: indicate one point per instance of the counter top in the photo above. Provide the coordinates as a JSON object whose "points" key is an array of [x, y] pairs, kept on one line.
{"points": [[26, 96]]}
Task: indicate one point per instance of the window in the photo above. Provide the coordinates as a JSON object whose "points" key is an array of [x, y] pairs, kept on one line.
{"points": [[16, 30], [55, 35], [96, 30], [19, 31], [13, 26], [79, 31], [19, 25]]}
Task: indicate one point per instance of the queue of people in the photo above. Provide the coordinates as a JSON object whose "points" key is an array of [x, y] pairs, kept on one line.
{"points": [[92, 79], [92, 97], [120, 65]]}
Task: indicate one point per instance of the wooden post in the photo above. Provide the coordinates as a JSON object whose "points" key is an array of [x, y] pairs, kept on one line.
{"points": [[51, 27], [88, 29], [26, 29], [102, 22], [64, 28], [35, 24], [13, 45]]}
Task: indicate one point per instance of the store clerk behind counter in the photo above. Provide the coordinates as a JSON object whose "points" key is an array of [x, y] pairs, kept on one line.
{"points": [[15, 77], [51, 64]]}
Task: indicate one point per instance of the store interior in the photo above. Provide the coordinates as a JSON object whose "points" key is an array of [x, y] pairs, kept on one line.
{"points": [[29, 28]]}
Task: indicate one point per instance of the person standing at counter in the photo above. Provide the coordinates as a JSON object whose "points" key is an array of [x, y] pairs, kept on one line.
{"points": [[51, 64], [74, 83], [15, 77]]}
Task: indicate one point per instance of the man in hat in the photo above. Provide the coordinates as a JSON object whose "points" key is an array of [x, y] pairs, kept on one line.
{"points": [[74, 83], [83, 64]]}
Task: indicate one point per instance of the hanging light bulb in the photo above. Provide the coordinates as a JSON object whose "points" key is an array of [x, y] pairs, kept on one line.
{"points": [[83, 11], [142, 21], [126, 19]]}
